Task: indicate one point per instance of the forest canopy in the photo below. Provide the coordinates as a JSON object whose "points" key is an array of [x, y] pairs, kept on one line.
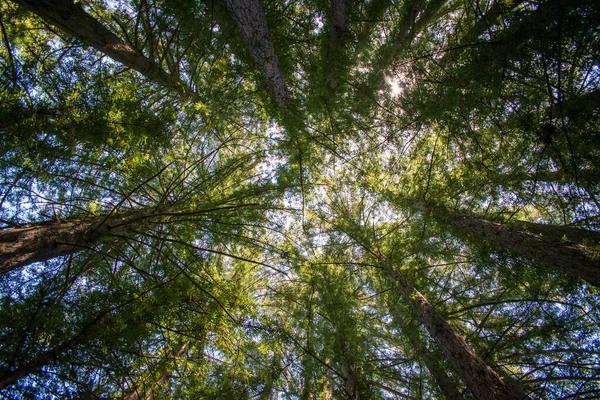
{"points": [[300, 199]]}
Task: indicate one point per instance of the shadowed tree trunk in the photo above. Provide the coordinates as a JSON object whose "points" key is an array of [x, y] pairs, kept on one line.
{"points": [[374, 11], [340, 10], [251, 22], [47, 240], [349, 375], [484, 382], [72, 19], [447, 386], [407, 24], [416, 16], [436, 369], [570, 250], [10, 377]]}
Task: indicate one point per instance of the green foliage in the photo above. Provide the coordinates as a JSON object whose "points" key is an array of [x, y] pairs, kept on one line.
{"points": [[259, 246]]}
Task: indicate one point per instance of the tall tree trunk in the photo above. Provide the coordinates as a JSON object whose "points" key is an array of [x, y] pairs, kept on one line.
{"points": [[327, 392], [10, 377], [416, 16], [478, 376], [447, 386], [47, 240], [340, 10], [570, 250], [349, 374], [251, 22], [403, 35], [72, 19], [275, 370], [436, 369]]}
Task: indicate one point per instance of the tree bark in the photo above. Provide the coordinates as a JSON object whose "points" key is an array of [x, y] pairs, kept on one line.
{"points": [[350, 379], [340, 10], [447, 386], [404, 33], [72, 19], [47, 240], [478, 376], [251, 22], [570, 250], [9, 378]]}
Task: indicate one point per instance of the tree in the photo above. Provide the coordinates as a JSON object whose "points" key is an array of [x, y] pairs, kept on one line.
{"points": [[448, 387], [47, 240], [479, 377], [71, 18], [313, 199], [249, 17], [570, 250]]}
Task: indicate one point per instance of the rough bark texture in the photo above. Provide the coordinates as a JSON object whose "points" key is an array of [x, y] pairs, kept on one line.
{"points": [[251, 22], [571, 250], [447, 386], [484, 383], [407, 23], [72, 19], [327, 392], [44, 241]]}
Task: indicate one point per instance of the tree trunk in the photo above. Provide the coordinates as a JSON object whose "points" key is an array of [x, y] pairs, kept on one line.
{"points": [[327, 392], [47, 240], [436, 369], [72, 19], [251, 22], [339, 19], [478, 376], [11, 376], [447, 386], [403, 35], [417, 15], [349, 375], [570, 250]]}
